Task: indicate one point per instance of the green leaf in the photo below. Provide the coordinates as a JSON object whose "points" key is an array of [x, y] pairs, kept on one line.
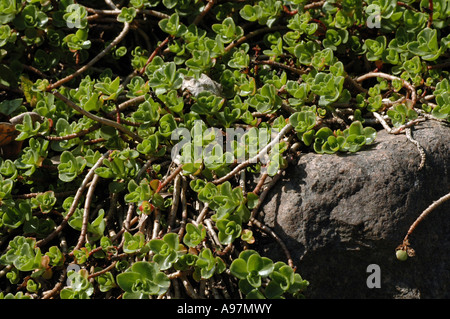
{"points": [[255, 294], [126, 280], [147, 112], [194, 235], [370, 133], [303, 121], [375, 48], [93, 103], [78, 40], [126, 15], [76, 16], [239, 268], [172, 25], [356, 128], [442, 110], [228, 231], [55, 255], [273, 290], [353, 143], [197, 185], [70, 166], [144, 279], [8, 107], [251, 13], [426, 45], [148, 145], [172, 240], [167, 125], [206, 263], [252, 200], [30, 127], [133, 243]]}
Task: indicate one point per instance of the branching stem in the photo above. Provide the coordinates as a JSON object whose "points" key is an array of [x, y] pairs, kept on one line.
{"points": [[251, 35], [81, 70], [424, 214], [207, 8], [286, 129], [103, 271], [405, 84], [264, 194], [97, 118], [60, 284], [169, 179], [202, 214], [274, 236], [398, 129], [74, 135], [175, 202], [76, 199], [419, 148], [282, 66], [184, 212], [87, 208], [155, 52], [431, 8]]}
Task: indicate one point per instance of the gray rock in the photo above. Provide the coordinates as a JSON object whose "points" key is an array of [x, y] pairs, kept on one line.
{"points": [[338, 214], [203, 83], [18, 119]]}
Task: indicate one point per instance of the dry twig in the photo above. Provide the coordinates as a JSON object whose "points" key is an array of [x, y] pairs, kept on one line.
{"points": [[286, 129], [97, 118], [87, 207], [76, 199], [425, 213], [81, 70]]}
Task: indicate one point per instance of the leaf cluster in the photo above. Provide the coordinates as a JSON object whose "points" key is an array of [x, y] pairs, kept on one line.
{"points": [[92, 100]]}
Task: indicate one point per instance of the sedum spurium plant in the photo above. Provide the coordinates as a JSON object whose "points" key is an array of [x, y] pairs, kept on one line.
{"points": [[121, 166]]}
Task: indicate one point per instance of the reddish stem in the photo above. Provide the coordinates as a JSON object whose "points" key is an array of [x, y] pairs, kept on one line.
{"points": [[155, 52], [430, 20]]}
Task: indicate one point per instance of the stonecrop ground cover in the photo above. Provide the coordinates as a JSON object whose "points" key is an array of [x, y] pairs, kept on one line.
{"points": [[103, 197]]}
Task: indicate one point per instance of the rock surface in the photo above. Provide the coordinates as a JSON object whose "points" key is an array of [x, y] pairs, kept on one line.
{"points": [[338, 214]]}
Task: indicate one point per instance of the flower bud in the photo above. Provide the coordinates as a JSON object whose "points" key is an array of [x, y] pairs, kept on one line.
{"points": [[401, 255]]}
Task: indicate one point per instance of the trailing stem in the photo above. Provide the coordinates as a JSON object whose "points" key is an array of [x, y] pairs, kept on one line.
{"points": [[97, 118], [81, 70], [425, 213], [419, 148], [405, 84], [252, 34], [286, 129], [76, 199], [87, 208]]}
